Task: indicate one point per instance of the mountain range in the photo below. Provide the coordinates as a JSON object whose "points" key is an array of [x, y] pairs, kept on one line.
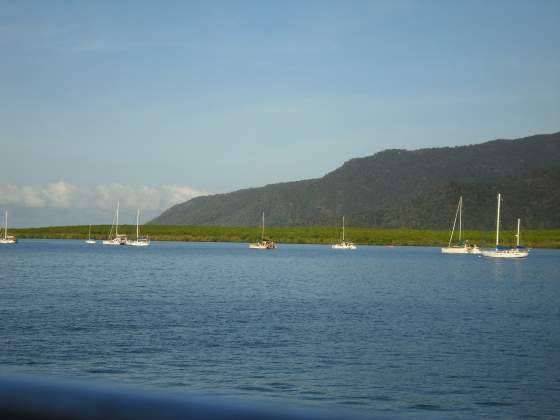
{"points": [[402, 188]]}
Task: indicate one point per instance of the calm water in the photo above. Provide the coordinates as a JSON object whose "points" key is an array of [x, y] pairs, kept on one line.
{"points": [[377, 330]]}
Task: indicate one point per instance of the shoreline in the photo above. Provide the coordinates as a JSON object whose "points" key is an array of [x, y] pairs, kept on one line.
{"points": [[279, 244], [532, 238]]}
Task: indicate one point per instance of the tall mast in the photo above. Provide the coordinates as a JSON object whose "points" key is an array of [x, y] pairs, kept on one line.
{"points": [[342, 228], [89, 233], [137, 219], [460, 218], [455, 222], [6, 226], [117, 225], [518, 226], [498, 221], [262, 232]]}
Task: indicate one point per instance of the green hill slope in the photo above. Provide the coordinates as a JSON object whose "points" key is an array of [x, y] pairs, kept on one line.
{"points": [[400, 188], [534, 197]]}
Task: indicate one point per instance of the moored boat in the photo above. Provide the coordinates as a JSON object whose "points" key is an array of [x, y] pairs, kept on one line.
{"points": [[506, 252], [461, 246], [7, 239], [116, 239], [89, 240], [344, 244], [140, 240], [263, 243]]}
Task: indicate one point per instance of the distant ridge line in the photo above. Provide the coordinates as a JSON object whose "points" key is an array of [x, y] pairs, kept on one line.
{"points": [[401, 188]]}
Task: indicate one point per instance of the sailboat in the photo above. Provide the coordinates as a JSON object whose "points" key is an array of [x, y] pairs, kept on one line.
{"points": [[264, 243], [140, 240], [7, 239], [506, 252], [462, 246], [343, 244], [117, 239], [89, 240]]}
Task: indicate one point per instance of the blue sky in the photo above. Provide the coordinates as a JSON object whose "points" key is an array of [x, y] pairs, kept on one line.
{"points": [[179, 98]]}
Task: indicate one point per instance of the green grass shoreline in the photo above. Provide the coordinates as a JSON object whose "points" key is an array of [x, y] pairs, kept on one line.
{"points": [[548, 238]]}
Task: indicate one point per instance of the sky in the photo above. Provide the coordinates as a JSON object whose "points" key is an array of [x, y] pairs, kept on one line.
{"points": [[155, 102]]}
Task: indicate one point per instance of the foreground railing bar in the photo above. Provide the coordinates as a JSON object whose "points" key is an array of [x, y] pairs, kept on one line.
{"points": [[25, 398]]}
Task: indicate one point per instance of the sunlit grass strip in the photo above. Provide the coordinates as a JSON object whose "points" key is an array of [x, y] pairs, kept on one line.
{"points": [[302, 235]]}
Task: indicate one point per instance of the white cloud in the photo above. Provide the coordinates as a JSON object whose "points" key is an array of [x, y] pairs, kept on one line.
{"points": [[63, 195]]}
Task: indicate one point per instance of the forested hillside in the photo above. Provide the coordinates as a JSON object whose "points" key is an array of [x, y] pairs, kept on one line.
{"points": [[400, 188]]}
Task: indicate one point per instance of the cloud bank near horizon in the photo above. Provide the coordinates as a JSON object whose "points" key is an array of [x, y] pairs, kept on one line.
{"points": [[101, 198]]}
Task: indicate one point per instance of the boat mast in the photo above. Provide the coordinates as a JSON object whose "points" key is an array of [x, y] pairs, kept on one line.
{"points": [[498, 221], [6, 226], [460, 218], [262, 231], [89, 233], [518, 226], [137, 218], [342, 228], [117, 220], [455, 221]]}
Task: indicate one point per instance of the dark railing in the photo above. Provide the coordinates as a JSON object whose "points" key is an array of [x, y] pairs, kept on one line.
{"points": [[29, 398]]}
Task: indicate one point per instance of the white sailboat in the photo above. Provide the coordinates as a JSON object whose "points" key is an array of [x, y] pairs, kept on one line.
{"points": [[506, 252], [7, 239], [343, 244], [264, 243], [117, 239], [89, 240], [462, 246], [140, 240]]}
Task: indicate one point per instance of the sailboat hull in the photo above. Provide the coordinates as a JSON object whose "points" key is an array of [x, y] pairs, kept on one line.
{"points": [[138, 243], [115, 241], [344, 246], [461, 250], [505, 253], [263, 245]]}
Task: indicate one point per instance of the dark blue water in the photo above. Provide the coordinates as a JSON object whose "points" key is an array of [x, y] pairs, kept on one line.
{"points": [[377, 330]]}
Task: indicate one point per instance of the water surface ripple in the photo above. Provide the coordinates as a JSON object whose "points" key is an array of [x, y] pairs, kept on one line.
{"points": [[378, 330]]}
